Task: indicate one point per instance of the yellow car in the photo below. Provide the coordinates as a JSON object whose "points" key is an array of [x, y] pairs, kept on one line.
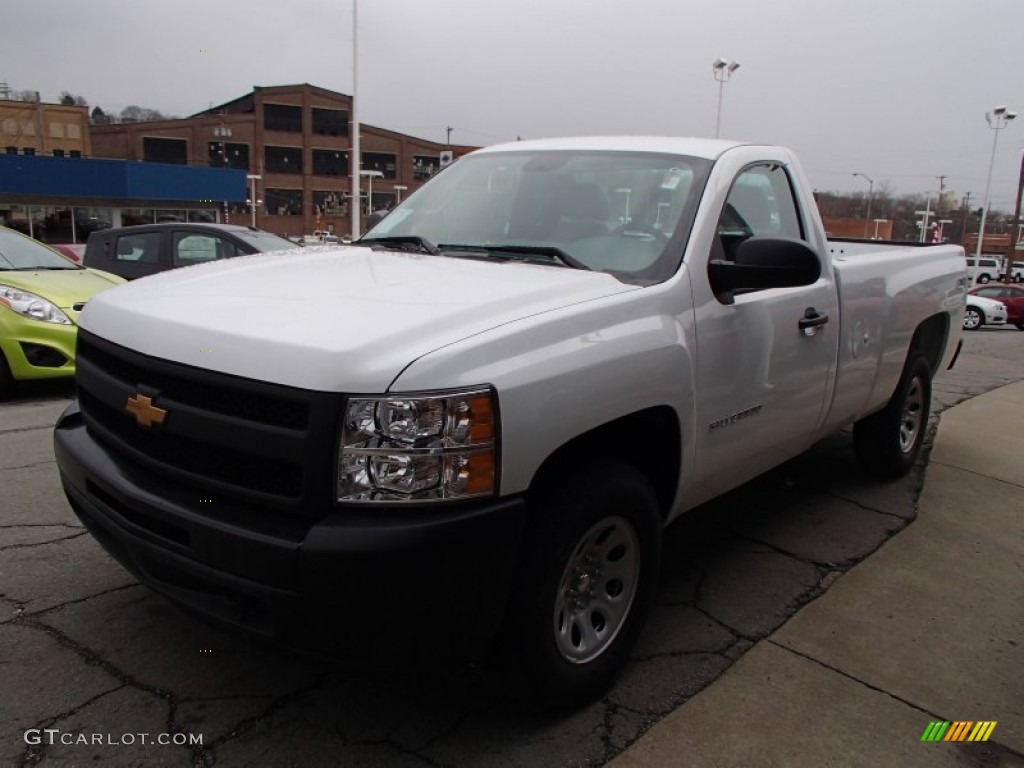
{"points": [[41, 294]]}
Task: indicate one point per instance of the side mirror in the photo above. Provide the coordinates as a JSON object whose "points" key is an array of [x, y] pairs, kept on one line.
{"points": [[764, 262]]}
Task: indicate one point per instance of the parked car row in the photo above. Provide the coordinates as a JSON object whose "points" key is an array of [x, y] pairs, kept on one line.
{"points": [[994, 305]]}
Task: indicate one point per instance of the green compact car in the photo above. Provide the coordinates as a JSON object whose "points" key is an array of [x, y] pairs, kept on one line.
{"points": [[41, 294]]}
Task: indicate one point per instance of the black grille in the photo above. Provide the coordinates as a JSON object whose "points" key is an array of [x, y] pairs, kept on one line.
{"points": [[193, 456], [225, 436], [229, 401]]}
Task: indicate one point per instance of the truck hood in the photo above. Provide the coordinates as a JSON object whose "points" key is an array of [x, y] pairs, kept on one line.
{"points": [[345, 319]]}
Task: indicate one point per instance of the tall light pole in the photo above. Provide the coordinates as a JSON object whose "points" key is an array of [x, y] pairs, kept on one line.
{"points": [[253, 178], [722, 70], [399, 189], [871, 195], [997, 120], [356, 156], [370, 176]]}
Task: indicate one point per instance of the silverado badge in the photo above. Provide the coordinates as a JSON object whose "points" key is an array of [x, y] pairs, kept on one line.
{"points": [[146, 414]]}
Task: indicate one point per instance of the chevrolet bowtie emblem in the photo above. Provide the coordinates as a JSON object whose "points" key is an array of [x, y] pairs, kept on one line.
{"points": [[146, 414]]}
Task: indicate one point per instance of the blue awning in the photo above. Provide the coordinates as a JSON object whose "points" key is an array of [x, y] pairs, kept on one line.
{"points": [[127, 180]]}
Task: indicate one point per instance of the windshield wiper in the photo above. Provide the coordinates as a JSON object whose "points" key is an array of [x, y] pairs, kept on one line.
{"points": [[547, 251], [421, 243]]}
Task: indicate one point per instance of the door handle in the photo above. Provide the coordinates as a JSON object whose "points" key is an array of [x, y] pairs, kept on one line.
{"points": [[812, 319]]}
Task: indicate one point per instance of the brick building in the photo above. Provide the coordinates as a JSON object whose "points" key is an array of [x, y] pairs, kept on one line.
{"points": [[297, 139], [35, 128]]}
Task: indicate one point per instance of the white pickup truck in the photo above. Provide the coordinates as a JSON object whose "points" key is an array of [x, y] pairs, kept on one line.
{"points": [[474, 423]]}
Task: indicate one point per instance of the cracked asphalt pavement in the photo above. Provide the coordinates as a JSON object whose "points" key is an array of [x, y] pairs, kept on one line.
{"points": [[97, 668]]}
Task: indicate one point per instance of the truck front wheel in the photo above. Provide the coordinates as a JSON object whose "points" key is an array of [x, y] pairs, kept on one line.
{"points": [[587, 582], [887, 443]]}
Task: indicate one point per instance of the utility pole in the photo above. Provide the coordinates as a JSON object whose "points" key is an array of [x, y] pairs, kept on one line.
{"points": [[448, 139], [942, 190], [965, 207], [1014, 231]]}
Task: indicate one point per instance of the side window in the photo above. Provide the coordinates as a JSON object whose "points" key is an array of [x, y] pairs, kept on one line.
{"points": [[195, 249], [990, 293], [143, 247], [760, 203]]}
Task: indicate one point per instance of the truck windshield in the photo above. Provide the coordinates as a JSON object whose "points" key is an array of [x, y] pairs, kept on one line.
{"points": [[626, 213]]}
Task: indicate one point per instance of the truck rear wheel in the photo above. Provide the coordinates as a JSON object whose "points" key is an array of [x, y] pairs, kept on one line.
{"points": [[586, 584], [888, 443]]}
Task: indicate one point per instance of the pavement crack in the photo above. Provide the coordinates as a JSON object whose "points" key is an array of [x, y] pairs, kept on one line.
{"points": [[31, 465], [781, 551], [978, 474], [35, 753], [44, 543], [868, 508], [60, 606], [205, 754], [17, 430], [854, 678]]}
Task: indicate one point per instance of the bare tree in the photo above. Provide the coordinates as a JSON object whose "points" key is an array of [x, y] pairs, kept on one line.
{"points": [[69, 99]]}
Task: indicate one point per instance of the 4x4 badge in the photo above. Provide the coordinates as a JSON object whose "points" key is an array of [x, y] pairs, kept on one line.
{"points": [[146, 414]]}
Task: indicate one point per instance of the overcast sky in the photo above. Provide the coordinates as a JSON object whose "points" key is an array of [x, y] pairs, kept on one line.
{"points": [[894, 89]]}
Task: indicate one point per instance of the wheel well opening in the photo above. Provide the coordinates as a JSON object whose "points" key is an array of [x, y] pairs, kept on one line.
{"points": [[930, 339], [649, 440]]}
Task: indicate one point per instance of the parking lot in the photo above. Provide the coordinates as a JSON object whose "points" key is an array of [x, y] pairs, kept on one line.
{"points": [[99, 670]]}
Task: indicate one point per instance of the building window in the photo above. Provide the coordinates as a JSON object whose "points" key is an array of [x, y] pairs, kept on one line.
{"points": [[28, 150], [380, 161], [74, 132], [424, 166], [12, 150], [58, 153], [283, 202], [330, 204], [156, 150], [282, 159], [330, 162], [75, 153], [57, 130], [10, 126], [282, 117], [228, 155], [330, 122]]}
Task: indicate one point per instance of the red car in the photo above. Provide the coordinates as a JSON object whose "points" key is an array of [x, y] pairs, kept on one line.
{"points": [[73, 251], [1010, 295]]}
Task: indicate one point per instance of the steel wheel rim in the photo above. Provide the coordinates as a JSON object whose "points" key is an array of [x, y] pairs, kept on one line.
{"points": [[913, 411], [596, 590], [972, 319]]}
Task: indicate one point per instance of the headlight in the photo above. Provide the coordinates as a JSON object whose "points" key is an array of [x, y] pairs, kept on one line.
{"points": [[418, 447], [29, 305]]}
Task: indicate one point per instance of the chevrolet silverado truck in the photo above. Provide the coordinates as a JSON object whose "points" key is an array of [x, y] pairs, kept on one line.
{"points": [[472, 425]]}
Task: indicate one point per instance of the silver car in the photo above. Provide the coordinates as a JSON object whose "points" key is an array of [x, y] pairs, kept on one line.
{"points": [[981, 311]]}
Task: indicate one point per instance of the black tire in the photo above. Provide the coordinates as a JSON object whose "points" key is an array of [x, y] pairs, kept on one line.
{"points": [[586, 583], [974, 318], [888, 443], [983, 279], [1020, 326], [6, 379]]}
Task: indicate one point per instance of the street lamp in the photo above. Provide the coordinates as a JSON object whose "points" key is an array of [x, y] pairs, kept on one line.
{"points": [[942, 225], [399, 189], [722, 70], [871, 195], [370, 176], [997, 120], [253, 178]]}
